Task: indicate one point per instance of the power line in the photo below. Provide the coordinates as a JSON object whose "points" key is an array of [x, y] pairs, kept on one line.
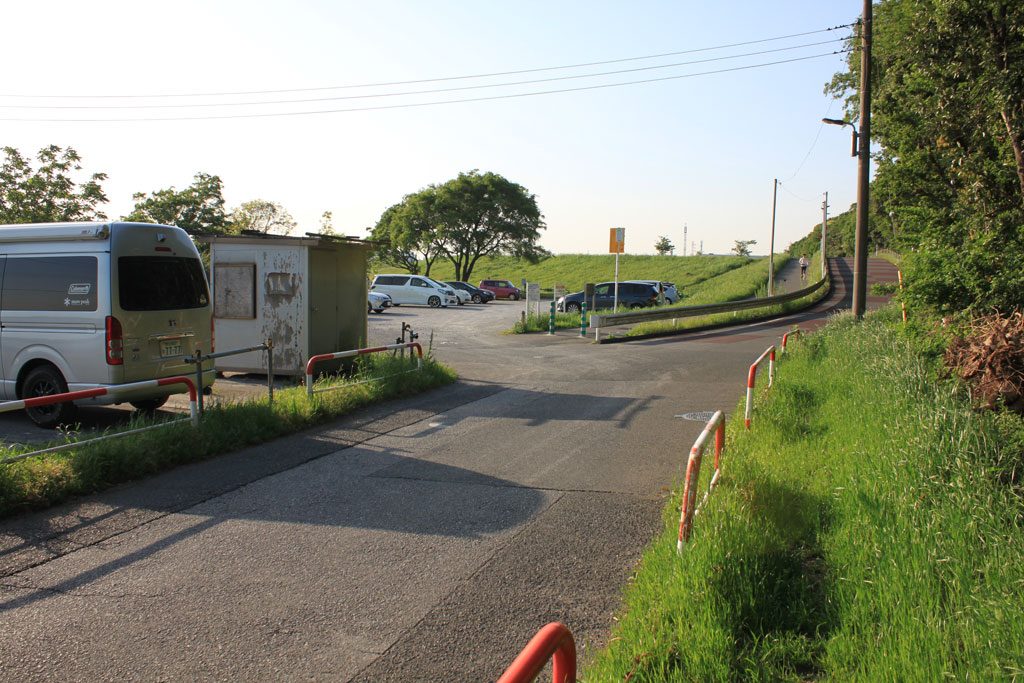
{"points": [[815, 141], [793, 194], [421, 92], [445, 78], [419, 104]]}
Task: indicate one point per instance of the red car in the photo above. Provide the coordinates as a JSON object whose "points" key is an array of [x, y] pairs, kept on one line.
{"points": [[503, 289]]}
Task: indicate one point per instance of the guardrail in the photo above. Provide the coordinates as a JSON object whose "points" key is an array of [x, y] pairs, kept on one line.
{"points": [[553, 641], [311, 363], [769, 353], [52, 399], [198, 359], [785, 339], [689, 509], [599, 320]]}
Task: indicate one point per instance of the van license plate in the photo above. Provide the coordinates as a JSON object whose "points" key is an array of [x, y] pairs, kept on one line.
{"points": [[169, 349]]}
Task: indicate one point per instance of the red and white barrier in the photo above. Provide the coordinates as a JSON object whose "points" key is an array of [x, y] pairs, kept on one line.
{"points": [[785, 338], [311, 363], [769, 353], [554, 640], [114, 390], [689, 508]]}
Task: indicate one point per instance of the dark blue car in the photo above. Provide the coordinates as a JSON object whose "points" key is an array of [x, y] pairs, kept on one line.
{"points": [[479, 296], [631, 295]]}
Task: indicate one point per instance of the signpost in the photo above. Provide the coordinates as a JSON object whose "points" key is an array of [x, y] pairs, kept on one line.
{"points": [[533, 296], [616, 245]]}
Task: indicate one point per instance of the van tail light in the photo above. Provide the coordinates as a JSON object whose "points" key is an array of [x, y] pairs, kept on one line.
{"points": [[115, 341], [213, 337]]}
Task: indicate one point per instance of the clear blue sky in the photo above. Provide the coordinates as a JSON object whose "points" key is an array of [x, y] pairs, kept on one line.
{"points": [[650, 157]]}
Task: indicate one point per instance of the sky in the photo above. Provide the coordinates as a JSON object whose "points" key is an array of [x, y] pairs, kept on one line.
{"points": [[699, 151]]}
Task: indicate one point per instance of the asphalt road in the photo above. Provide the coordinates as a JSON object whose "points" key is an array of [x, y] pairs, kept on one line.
{"points": [[424, 539]]}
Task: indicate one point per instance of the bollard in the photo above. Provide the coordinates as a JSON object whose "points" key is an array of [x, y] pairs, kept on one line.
{"points": [[551, 320], [583, 319]]}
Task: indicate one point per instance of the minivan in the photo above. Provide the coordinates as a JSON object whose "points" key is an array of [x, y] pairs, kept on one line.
{"points": [[91, 305], [414, 289], [631, 295]]}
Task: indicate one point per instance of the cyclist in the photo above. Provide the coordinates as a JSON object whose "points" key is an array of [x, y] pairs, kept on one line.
{"points": [[803, 266]]}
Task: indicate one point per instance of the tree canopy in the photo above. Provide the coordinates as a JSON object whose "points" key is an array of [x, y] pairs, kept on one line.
{"points": [[48, 193], [197, 208], [473, 215], [663, 246], [263, 216], [742, 247], [948, 122]]}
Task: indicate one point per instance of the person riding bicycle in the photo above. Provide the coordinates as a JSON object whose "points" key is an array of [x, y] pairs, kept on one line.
{"points": [[803, 266]]}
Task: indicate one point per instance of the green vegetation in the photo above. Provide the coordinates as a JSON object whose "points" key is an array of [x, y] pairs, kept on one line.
{"points": [[43, 480], [875, 544]]}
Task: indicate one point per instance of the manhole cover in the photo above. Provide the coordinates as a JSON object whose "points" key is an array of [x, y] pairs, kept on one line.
{"points": [[697, 417]]}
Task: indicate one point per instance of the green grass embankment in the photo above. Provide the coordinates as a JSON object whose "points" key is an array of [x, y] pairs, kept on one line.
{"points": [[43, 480], [868, 527]]}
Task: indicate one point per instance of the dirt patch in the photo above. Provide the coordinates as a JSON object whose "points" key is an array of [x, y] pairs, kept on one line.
{"points": [[990, 358]]}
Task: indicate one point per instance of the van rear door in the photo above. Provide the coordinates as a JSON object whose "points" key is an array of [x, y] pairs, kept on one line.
{"points": [[162, 303]]}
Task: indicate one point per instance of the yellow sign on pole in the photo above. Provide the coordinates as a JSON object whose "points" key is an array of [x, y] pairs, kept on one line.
{"points": [[617, 241]]}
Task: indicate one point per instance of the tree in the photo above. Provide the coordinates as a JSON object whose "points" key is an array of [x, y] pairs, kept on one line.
{"points": [[327, 223], [48, 194], [197, 208], [262, 216], [948, 118], [397, 236], [742, 247], [663, 246]]}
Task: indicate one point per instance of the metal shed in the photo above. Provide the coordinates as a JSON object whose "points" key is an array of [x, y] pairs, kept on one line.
{"points": [[307, 294]]}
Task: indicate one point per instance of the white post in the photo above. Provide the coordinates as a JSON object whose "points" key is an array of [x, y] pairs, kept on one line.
{"points": [[615, 306]]}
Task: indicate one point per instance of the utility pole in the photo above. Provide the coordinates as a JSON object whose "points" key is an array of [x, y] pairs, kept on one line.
{"points": [[860, 260], [824, 229], [771, 244], [684, 239], [701, 252]]}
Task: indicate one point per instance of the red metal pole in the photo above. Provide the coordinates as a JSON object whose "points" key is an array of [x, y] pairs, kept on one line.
{"points": [[555, 640]]}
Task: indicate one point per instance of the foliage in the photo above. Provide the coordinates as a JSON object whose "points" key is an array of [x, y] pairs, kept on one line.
{"points": [[840, 236], [742, 247], [327, 223], [48, 194], [663, 246], [198, 208], [462, 220], [948, 118], [262, 216], [40, 481], [878, 544]]}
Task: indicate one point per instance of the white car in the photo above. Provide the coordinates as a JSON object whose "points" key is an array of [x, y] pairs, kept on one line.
{"points": [[377, 302], [414, 289]]}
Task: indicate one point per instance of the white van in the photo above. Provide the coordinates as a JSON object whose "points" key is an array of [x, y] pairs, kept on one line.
{"points": [[87, 305], [414, 289]]}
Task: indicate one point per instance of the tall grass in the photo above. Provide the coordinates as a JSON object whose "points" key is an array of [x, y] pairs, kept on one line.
{"points": [[39, 481], [868, 527]]}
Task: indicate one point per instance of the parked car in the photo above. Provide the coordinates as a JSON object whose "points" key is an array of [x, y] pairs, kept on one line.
{"points": [[414, 289], [631, 295], [476, 295], [97, 305], [671, 293], [377, 302], [502, 289]]}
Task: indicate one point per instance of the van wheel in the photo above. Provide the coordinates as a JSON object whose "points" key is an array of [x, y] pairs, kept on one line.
{"points": [[46, 380], [149, 405], [434, 301]]}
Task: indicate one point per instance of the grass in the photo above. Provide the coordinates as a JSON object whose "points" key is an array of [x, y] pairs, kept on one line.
{"points": [[575, 270], [47, 479], [868, 527]]}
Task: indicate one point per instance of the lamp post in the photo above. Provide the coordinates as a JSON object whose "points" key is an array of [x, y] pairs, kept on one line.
{"points": [[861, 150]]}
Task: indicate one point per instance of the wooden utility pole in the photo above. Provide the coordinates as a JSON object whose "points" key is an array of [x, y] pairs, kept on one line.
{"points": [[824, 231], [771, 244], [860, 260]]}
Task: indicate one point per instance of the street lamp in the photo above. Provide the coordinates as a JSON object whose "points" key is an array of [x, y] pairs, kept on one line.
{"points": [[839, 122]]}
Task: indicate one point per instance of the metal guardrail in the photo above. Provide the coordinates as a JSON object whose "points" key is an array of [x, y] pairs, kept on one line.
{"points": [[311, 363], [689, 508], [92, 393], [553, 641], [769, 353], [198, 359], [599, 320]]}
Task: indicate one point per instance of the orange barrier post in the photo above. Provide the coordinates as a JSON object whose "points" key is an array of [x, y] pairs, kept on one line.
{"points": [[785, 338], [357, 352], [689, 507], [752, 375], [554, 640]]}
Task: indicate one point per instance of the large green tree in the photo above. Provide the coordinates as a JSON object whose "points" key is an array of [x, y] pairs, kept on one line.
{"points": [[197, 208], [262, 216], [462, 220], [948, 123], [48, 193]]}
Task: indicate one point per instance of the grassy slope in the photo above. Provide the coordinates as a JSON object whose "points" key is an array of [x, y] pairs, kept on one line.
{"points": [[868, 527], [40, 481], [574, 270]]}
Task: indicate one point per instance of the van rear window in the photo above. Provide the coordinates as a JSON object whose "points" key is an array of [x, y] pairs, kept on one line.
{"points": [[160, 283]]}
